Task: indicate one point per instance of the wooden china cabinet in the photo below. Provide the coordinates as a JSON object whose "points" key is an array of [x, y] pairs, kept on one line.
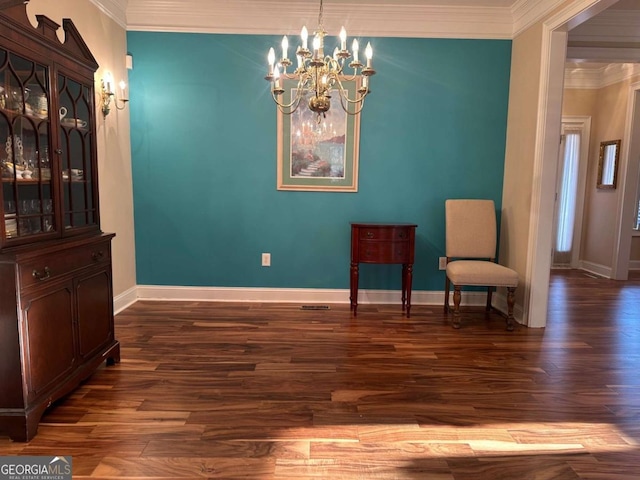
{"points": [[56, 297]]}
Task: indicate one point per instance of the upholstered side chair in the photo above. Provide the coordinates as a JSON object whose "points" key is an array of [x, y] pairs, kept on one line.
{"points": [[471, 242]]}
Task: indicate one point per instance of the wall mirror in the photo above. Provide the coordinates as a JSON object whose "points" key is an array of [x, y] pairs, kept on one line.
{"points": [[608, 164]]}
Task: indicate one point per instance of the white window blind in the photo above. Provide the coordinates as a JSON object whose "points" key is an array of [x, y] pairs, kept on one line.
{"points": [[568, 191]]}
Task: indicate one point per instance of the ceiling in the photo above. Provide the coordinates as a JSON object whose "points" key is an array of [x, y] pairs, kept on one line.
{"points": [[617, 27], [606, 48], [612, 37]]}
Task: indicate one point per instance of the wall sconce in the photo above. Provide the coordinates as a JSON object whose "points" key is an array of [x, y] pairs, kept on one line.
{"points": [[120, 101], [106, 94]]}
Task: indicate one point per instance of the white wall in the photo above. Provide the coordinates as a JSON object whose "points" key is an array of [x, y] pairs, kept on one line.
{"points": [[108, 43]]}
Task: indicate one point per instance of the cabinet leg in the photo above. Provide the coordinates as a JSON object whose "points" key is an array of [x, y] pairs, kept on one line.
{"points": [[23, 427], [113, 355]]}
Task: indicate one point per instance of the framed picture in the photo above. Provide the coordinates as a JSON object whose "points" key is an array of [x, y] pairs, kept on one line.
{"points": [[608, 164], [318, 155]]}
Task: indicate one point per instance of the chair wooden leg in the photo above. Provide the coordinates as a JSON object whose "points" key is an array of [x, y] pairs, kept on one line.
{"points": [[456, 306], [489, 294], [510, 303], [447, 287]]}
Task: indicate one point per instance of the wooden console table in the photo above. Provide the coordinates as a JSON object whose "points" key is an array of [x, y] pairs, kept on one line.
{"points": [[383, 243]]}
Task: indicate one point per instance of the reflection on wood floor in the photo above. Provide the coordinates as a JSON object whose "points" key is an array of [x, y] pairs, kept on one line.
{"points": [[270, 391]]}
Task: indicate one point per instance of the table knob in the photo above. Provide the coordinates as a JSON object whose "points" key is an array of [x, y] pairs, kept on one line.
{"points": [[369, 234]]}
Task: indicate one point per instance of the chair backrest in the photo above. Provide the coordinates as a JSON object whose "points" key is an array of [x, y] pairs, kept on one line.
{"points": [[470, 228]]}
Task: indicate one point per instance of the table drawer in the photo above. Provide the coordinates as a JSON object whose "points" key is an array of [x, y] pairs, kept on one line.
{"points": [[385, 233], [61, 263], [384, 251]]}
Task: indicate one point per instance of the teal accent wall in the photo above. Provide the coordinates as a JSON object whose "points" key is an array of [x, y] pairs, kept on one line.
{"points": [[203, 130]]}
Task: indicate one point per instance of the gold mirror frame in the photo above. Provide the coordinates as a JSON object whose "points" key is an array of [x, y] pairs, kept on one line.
{"points": [[608, 164]]}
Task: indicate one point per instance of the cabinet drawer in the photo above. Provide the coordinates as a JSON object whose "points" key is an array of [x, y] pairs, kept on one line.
{"points": [[385, 233], [62, 263], [384, 252]]}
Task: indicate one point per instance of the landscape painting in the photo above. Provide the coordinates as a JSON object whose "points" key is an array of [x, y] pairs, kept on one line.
{"points": [[318, 152]]}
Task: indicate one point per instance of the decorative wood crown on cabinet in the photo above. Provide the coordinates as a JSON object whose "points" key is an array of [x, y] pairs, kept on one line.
{"points": [[56, 296]]}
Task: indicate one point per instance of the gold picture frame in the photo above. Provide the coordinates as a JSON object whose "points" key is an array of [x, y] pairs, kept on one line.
{"points": [[608, 164], [318, 155]]}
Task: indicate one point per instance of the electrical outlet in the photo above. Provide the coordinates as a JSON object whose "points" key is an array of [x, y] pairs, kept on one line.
{"points": [[266, 259], [442, 263]]}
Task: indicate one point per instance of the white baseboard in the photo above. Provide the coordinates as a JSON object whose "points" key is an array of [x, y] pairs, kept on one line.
{"points": [[596, 268], [125, 299], [634, 265], [500, 303], [299, 295], [295, 295]]}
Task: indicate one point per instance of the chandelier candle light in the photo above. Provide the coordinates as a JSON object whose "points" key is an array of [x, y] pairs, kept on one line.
{"points": [[318, 74]]}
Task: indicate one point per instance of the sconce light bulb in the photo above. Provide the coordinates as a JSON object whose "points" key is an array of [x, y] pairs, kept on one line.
{"points": [[123, 91]]}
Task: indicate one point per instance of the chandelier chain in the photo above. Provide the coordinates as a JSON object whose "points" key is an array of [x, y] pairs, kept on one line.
{"points": [[319, 74]]}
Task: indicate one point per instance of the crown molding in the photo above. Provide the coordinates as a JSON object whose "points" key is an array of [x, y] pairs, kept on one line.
{"points": [[527, 12], [583, 78], [280, 17], [596, 77], [115, 9], [373, 19]]}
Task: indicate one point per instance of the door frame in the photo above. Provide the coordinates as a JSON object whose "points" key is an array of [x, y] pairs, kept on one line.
{"points": [[552, 62], [629, 172]]}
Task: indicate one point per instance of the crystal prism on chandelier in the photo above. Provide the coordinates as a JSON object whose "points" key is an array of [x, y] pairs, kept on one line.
{"points": [[317, 74]]}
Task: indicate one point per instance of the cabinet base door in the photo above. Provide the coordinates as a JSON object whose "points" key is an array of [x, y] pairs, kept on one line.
{"points": [[48, 345], [95, 317]]}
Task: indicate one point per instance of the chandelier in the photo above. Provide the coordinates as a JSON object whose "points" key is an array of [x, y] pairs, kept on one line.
{"points": [[317, 74]]}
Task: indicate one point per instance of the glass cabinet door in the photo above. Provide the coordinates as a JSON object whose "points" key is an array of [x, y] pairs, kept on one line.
{"points": [[76, 145], [27, 190]]}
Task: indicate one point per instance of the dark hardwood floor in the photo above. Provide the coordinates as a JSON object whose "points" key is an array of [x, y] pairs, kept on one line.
{"points": [[270, 391]]}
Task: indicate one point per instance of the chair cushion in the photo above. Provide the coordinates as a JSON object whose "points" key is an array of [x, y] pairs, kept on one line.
{"points": [[481, 273]]}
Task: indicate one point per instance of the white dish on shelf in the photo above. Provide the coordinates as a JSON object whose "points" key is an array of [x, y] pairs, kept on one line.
{"points": [[11, 227], [73, 122]]}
